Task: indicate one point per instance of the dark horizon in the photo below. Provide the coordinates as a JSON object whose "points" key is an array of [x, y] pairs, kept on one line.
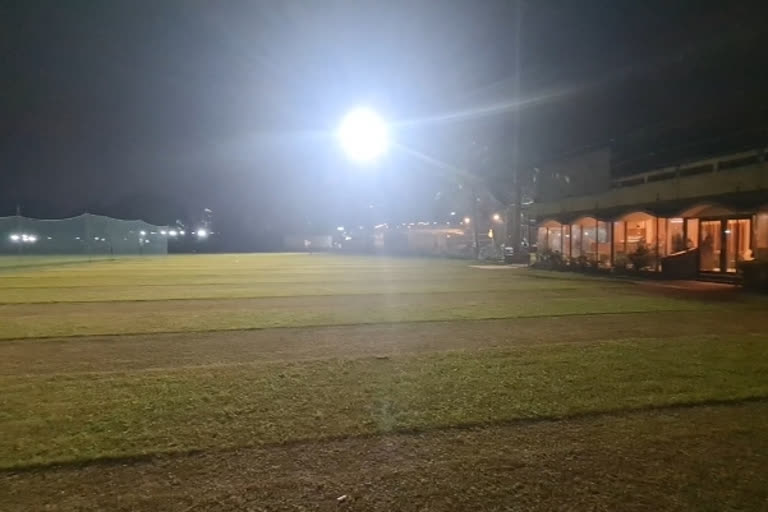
{"points": [[140, 110]]}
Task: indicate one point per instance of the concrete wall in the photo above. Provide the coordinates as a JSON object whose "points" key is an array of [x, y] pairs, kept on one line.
{"points": [[753, 178]]}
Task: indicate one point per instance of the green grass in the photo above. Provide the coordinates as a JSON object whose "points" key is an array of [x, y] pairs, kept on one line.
{"points": [[357, 355], [193, 293], [63, 418]]}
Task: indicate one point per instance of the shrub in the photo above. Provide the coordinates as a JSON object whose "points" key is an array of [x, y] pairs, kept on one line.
{"points": [[621, 262], [550, 259], [642, 258]]}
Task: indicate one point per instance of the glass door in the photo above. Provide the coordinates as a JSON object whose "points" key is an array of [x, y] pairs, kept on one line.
{"points": [[710, 246], [738, 241]]}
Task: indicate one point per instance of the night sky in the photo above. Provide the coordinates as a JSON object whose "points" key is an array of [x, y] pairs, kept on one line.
{"points": [[159, 109]]}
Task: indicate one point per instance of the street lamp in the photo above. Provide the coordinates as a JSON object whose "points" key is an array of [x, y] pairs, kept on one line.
{"points": [[363, 135]]}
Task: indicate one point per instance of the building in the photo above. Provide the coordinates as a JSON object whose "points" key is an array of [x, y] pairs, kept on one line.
{"points": [[700, 217]]}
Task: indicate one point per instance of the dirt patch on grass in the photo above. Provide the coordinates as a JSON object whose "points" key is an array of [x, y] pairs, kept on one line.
{"points": [[707, 458], [139, 352]]}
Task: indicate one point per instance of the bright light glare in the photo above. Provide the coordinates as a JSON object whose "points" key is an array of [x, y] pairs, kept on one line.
{"points": [[182, 232], [15, 238], [202, 233], [173, 232], [143, 233], [363, 135], [163, 232], [497, 217], [466, 220]]}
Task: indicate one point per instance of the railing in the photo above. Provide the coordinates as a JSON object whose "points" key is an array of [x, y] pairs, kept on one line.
{"points": [[710, 165]]}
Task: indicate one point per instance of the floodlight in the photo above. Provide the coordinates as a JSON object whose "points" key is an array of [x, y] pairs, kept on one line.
{"points": [[363, 135]]}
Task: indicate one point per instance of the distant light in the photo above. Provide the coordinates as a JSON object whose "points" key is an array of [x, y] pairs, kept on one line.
{"points": [[497, 217], [77, 238], [173, 232], [163, 232], [182, 232], [453, 214], [15, 238], [467, 220], [143, 233], [202, 233], [727, 231], [363, 135], [50, 238], [490, 233], [96, 238], [339, 228], [347, 238]]}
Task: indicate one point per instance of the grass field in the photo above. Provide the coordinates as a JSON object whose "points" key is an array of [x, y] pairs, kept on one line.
{"points": [[282, 382]]}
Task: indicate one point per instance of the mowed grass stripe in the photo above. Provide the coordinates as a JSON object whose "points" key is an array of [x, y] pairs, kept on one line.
{"points": [[146, 293], [76, 418], [137, 352], [696, 459], [81, 319]]}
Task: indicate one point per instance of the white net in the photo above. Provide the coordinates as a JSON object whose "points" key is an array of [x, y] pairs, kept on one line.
{"points": [[84, 236]]}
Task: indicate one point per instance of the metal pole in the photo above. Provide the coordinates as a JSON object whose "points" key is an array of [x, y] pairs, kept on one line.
{"points": [[597, 242], [562, 239], [613, 247], [514, 213], [658, 259], [474, 222]]}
